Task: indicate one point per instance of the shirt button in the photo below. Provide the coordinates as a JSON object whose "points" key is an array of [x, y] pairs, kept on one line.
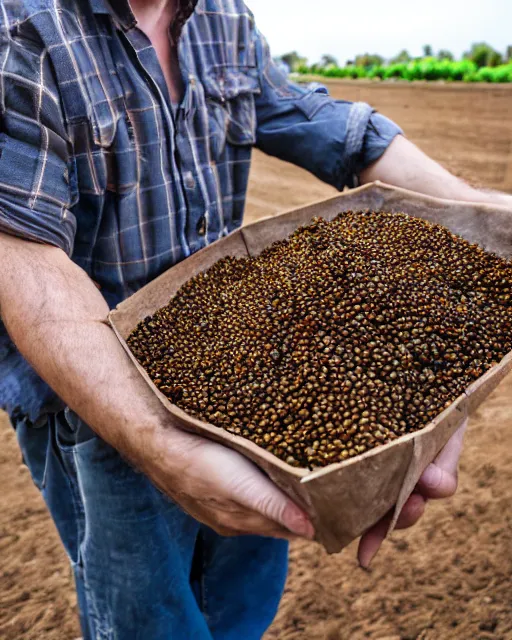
{"points": [[201, 226], [189, 181]]}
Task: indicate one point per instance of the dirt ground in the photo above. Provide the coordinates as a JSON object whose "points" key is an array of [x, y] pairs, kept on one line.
{"points": [[449, 577]]}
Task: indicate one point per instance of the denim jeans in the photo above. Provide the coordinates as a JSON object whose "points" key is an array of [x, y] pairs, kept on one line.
{"points": [[143, 568]]}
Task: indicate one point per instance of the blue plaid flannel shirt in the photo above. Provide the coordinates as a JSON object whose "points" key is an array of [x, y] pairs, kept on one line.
{"points": [[94, 161]]}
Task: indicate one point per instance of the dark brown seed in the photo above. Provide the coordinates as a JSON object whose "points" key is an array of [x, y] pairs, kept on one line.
{"points": [[344, 337]]}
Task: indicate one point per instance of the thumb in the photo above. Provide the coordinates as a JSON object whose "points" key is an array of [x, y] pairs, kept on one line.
{"points": [[257, 492], [371, 541], [439, 480]]}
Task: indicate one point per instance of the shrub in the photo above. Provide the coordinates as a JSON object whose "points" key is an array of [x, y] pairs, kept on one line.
{"points": [[429, 69]]}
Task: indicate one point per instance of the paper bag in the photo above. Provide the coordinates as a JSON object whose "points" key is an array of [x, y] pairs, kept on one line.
{"points": [[342, 499]]}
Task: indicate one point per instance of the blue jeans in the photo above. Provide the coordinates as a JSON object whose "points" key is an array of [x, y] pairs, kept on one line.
{"points": [[143, 568]]}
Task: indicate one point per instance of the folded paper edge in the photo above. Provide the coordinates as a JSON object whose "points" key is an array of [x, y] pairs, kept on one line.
{"points": [[421, 458], [283, 473]]}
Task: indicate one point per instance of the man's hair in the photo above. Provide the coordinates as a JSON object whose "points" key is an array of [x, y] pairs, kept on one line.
{"points": [[184, 9]]}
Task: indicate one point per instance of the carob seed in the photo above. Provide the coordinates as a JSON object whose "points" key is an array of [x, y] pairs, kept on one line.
{"points": [[341, 338]]}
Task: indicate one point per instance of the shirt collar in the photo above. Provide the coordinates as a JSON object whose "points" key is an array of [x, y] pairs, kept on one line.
{"points": [[120, 10]]}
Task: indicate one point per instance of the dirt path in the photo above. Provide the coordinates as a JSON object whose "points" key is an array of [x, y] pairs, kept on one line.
{"points": [[449, 578]]}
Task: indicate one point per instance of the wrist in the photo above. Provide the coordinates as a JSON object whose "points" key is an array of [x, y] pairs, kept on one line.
{"points": [[157, 444]]}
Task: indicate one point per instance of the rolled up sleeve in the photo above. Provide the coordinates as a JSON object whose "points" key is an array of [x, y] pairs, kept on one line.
{"points": [[36, 170], [333, 139]]}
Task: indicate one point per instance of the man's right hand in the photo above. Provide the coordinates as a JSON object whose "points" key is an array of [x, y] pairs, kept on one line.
{"points": [[221, 488]]}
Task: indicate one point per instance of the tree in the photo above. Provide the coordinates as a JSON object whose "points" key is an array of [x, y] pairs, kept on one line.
{"points": [[494, 59], [444, 54], [483, 55], [508, 55], [328, 61], [293, 60], [369, 60], [403, 56], [427, 51]]}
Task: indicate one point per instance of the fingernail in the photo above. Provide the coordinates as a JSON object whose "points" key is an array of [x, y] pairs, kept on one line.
{"points": [[302, 526], [366, 559], [432, 476]]}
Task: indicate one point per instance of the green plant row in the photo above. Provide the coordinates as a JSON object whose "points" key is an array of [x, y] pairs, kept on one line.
{"points": [[425, 69]]}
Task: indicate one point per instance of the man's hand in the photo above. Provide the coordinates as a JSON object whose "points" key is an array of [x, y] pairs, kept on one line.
{"points": [[439, 480], [222, 489]]}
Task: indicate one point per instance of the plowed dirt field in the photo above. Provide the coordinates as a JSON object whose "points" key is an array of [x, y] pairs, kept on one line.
{"points": [[446, 579]]}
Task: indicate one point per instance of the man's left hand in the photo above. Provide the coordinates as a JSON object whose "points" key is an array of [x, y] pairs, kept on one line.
{"points": [[439, 480]]}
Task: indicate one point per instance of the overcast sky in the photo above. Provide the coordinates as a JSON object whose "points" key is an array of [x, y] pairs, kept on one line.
{"points": [[346, 28]]}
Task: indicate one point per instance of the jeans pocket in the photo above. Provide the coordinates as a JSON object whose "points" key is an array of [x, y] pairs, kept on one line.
{"points": [[71, 431], [34, 443]]}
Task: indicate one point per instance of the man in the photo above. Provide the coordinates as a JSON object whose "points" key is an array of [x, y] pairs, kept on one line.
{"points": [[125, 146]]}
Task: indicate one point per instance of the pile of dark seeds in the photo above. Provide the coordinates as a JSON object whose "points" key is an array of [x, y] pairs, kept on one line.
{"points": [[346, 336]]}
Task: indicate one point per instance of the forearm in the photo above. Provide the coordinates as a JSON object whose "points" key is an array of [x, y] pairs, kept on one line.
{"points": [[57, 319], [404, 165]]}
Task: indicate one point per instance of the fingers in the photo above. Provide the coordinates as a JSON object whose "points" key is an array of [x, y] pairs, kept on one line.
{"points": [[232, 479], [247, 523], [411, 512], [439, 480], [371, 541], [224, 490], [229, 519], [257, 493], [436, 483]]}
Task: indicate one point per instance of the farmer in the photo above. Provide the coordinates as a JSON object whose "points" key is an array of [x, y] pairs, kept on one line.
{"points": [[125, 146]]}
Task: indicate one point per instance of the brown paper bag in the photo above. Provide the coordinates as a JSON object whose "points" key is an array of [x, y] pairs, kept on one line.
{"points": [[343, 499]]}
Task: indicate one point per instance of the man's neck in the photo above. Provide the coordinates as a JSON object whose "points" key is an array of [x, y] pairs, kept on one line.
{"points": [[154, 18], [154, 15]]}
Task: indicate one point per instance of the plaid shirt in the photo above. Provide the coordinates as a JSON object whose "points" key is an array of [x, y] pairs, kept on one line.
{"points": [[95, 161]]}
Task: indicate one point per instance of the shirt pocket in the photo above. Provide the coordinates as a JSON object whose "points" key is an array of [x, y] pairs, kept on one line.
{"points": [[93, 102], [230, 103]]}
